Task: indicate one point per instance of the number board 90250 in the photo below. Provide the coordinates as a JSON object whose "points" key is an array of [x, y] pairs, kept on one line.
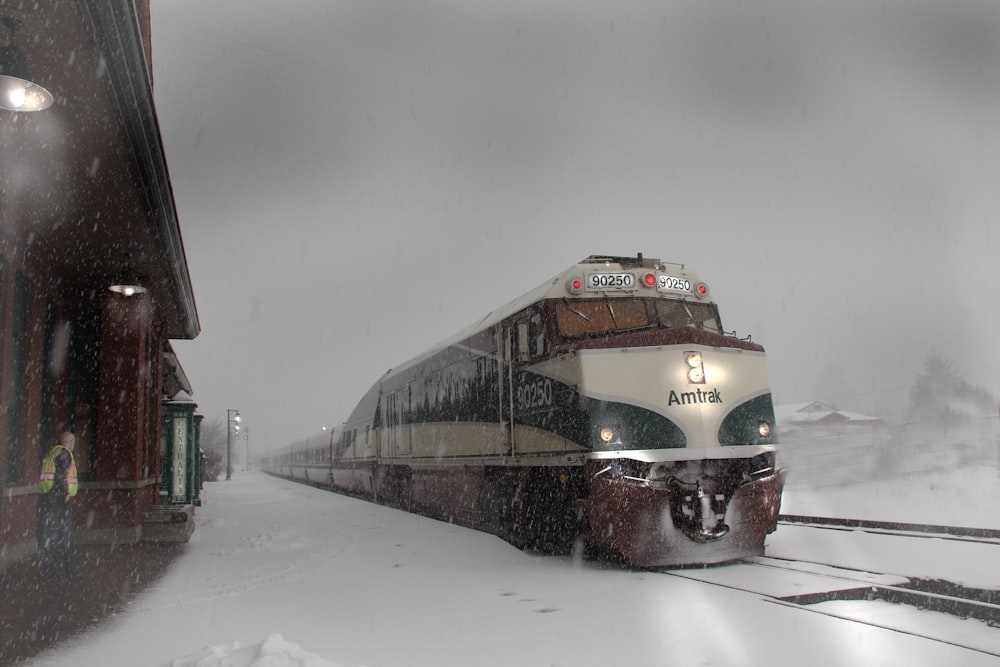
{"points": [[611, 281], [673, 284]]}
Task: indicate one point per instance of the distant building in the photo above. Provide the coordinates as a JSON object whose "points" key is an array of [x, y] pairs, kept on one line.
{"points": [[818, 418]]}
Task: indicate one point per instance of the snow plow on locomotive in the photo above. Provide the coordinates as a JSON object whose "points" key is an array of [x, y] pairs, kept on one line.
{"points": [[607, 406]]}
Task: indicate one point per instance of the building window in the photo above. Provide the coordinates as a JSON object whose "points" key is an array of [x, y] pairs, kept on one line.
{"points": [[84, 356], [17, 400], [54, 358], [3, 315]]}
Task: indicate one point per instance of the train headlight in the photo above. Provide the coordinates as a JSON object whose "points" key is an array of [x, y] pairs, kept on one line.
{"points": [[764, 429], [607, 436], [696, 368]]}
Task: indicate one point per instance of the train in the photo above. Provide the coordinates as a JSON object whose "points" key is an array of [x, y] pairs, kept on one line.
{"points": [[606, 410]]}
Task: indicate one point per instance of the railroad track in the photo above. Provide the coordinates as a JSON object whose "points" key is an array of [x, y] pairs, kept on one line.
{"points": [[928, 594], [934, 594], [806, 585], [959, 533]]}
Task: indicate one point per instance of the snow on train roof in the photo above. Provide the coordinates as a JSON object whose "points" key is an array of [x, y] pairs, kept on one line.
{"points": [[555, 288]]}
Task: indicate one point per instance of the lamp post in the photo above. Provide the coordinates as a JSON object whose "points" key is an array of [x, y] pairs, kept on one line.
{"points": [[232, 423], [246, 441], [332, 431]]}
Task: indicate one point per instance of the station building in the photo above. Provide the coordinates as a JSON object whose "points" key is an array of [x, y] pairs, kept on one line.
{"points": [[94, 281]]}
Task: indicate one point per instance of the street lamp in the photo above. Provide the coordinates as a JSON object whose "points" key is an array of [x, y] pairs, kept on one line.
{"points": [[332, 431], [127, 284], [246, 441], [232, 423], [17, 91]]}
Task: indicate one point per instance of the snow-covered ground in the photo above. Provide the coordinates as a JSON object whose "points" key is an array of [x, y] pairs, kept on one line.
{"points": [[283, 575], [898, 474]]}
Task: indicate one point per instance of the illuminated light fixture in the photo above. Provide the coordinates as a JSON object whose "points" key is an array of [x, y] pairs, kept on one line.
{"points": [[649, 280], [574, 285], [696, 368], [229, 439], [701, 289], [764, 429], [17, 91], [607, 434], [127, 284]]}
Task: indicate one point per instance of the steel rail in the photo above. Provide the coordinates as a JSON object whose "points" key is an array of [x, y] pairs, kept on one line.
{"points": [[963, 533], [869, 590]]}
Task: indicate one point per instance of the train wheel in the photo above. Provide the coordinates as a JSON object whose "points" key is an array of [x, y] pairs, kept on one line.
{"points": [[548, 516], [495, 503]]}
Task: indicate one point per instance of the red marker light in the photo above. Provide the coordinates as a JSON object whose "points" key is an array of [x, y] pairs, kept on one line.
{"points": [[701, 289], [649, 279], [577, 284]]}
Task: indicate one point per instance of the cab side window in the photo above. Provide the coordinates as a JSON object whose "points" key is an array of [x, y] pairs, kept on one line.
{"points": [[531, 337]]}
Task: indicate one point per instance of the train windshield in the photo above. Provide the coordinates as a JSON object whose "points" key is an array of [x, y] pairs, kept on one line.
{"points": [[589, 318], [687, 314], [586, 318]]}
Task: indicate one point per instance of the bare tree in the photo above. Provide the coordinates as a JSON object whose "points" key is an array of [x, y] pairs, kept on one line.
{"points": [[213, 444]]}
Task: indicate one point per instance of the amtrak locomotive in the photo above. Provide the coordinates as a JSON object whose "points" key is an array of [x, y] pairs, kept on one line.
{"points": [[607, 407]]}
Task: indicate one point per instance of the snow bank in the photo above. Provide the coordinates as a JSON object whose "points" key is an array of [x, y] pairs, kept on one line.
{"points": [[273, 651]]}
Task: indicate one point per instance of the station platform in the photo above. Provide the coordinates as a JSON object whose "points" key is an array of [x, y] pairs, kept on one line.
{"points": [[37, 614]]}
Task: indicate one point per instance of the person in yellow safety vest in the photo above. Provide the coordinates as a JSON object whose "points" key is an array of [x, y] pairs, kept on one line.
{"points": [[57, 485]]}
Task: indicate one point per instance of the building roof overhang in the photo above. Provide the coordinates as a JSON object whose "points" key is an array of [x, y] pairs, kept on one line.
{"points": [[86, 189]]}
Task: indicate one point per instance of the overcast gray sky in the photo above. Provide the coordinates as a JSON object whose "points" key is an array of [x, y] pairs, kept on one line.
{"points": [[358, 180]]}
